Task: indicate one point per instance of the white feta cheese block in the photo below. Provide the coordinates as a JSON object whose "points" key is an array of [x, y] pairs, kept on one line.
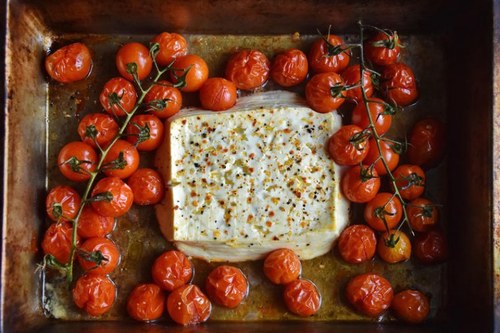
{"points": [[246, 181]]}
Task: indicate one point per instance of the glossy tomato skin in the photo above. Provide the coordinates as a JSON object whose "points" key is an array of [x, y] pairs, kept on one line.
{"points": [[146, 302], [92, 224], [122, 160], [302, 298], [218, 94], [352, 77], [319, 92], [289, 68], [98, 129], [380, 114], [147, 186], [187, 305], [321, 60], [70, 63], [171, 270], [146, 128], [387, 202], [394, 247], [360, 184], [248, 69], [134, 53], [410, 180], [282, 266], [94, 293], [76, 160], [427, 142], [399, 85], [431, 247], [171, 97], [62, 203], [57, 241], [389, 154], [370, 294], [108, 250], [197, 74], [120, 194], [357, 244], [411, 306], [226, 286], [123, 91], [385, 54], [172, 46], [422, 214], [348, 146]]}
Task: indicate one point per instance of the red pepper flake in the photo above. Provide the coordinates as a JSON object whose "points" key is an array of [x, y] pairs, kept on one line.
{"points": [[271, 214], [252, 156], [269, 224], [183, 121], [193, 194], [249, 200], [287, 130]]}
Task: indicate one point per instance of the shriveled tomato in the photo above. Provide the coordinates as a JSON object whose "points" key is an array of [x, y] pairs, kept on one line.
{"points": [[370, 294], [171, 270], [388, 152], [381, 114], [357, 244], [411, 306], [302, 298], [394, 246], [431, 247], [130, 54], [98, 129], [62, 203], [349, 145], [384, 207], [70, 63], [399, 85], [163, 100], [248, 69], [325, 92], [76, 160], [94, 293], [226, 286], [99, 255], [147, 186], [426, 143], [282, 266], [197, 72], [289, 68], [118, 97], [360, 184], [146, 302], [383, 48], [93, 224], [187, 305], [112, 197], [57, 241], [172, 45], [145, 131], [218, 94], [422, 214], [329, 54], [410, 180], [352, 78], [122, 160]]}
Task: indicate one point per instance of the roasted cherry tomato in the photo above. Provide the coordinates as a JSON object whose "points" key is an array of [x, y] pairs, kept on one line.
{"points": [[145, 131], [388, 152], [76, 160], [62, 203], [98, 129], [94, 293], [352, 77], [134, 53], [248, 69], [349, 145], [122, 160], [57, 241], [423, 214], [410, 180], [226, 286], [357, 244], [325, 92], [171, 270], [411, 306], [383, 49], [385, 206], [218, 94], [431, 247], [302, 298], [197, 72], [289, 68], [112, 197], [118, 97], [360, 184], [92, 224], [70, 63], [163, 100], [399, 85], [329, 54], [394, 246], [146, 302], [370, 294], [99, 255], [381, 114], [426, 144], [147, 186], [172, 46], [282, 266], [187, 305]]}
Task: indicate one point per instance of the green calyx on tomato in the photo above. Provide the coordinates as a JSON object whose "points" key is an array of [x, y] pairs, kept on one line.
{"points": [[104, 196], [119, 163], [366, 173], [413, 180], [95, 256], [391, 241], [358, 140], [74, 163], [144, 133]]}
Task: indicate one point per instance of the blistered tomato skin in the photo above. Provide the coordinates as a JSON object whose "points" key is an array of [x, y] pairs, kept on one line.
{"points": [[76, 160], [118, 97], [115, 197], [99, 255], [360, 184], [289, 68], [388, 152], [70, 63], [385, 205], [146, 302], [197, 72], [329, 57], [380, 114], [122, 160], [410, 181], [57, 241], [91, 224], [218, 94], [422, 214], [324, 92], [302, 298], [282, 266], [187, 305], [427, 142], [145, 132], [394, 247], [348, 146], [411, 306], [352, 77], [399, 84], [357, 244], [226, 286], [94, 293], [134, 53], [248, 69], [431, 247], [62, 203], [98, 129], [147, 186], [163, 100], [171, 270], [172, 46], [383, 49], [369, 294]]}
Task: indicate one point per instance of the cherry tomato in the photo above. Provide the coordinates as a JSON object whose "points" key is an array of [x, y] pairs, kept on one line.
{"points": [[218, 94], [388, 152], [70, 63], [91, 224], [282, 266], [331, 56], [394, 246], [431, 247], [399, 85], [422, 214], [99, 255], [172, 270], [370, 294], [352, 77], [76, 161], [94, 293], [112, 197], [145, 131], [357, 244], [248, 69], [289, 68], [226, 286], [360, 184], [146, 302], [411, 306], [197, 72], [410, 180], [118, 97], [325, 92], [98, 128], [381, 114], [163, 100], [383, 206], [302, 298], [187, 305], [349, 145], [172, 46], [383, 49], [134, 53], [122, 160], [62, 203], [427, 143], [57, 241], [147, 186]]}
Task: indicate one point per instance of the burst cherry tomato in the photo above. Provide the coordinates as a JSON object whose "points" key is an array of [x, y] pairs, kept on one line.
{"points": [[349, 145], [122, 160], [370, 294], [94, 293], [248, 69], [76, 160], [331, 56], [360, 184], [145, 131], [171, 270], [226, 286], [352, 77], [394, 247], [383, 49], [410, 180], [172, 46], [99, 255], [196, 75], [426, 144], [325, 92], [146, 302], [91, 224], [431, 247], [134, 53], [357, 244], [381, 114], [98, 127], [399, 84], [423, 214], [62, 203], [187, 305], [218, 94], [147, 186], [282, 266], [383, 206], [411, 306], [57, 241], [302, 298], [112, 197], [289, 68], [388, 152], [70, 63], [163, 100], [118, 97]]}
